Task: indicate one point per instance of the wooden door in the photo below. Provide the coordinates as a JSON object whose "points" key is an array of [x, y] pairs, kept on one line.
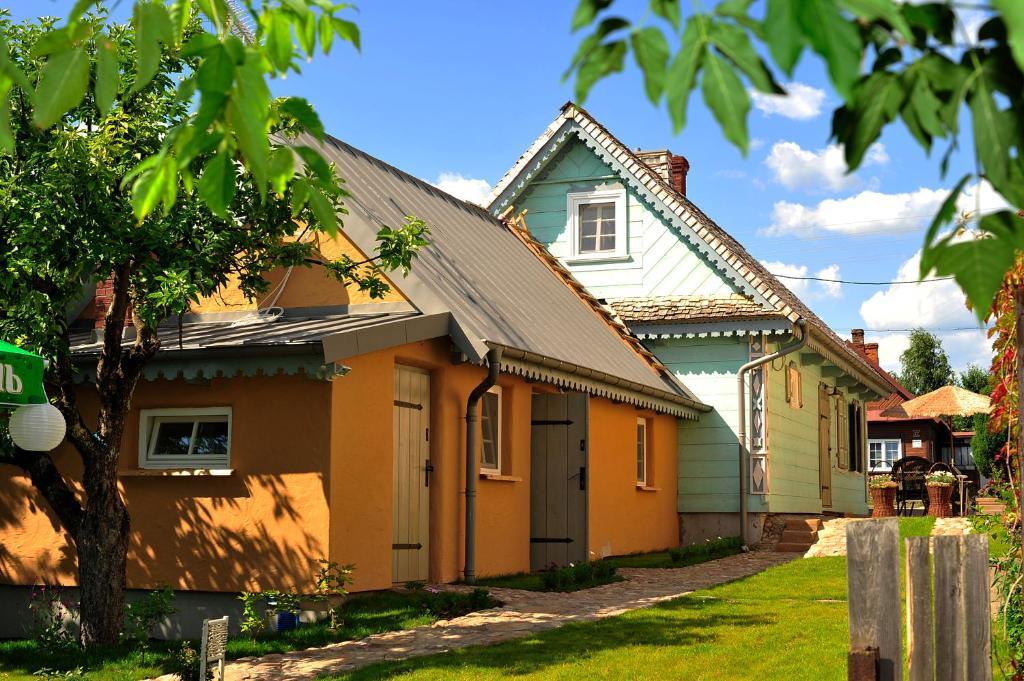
{"points": [[410, 535], [558, 480], [824, 444]]}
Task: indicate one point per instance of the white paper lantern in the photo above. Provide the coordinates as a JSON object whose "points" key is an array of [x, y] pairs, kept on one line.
{"points": [[37, 427]]}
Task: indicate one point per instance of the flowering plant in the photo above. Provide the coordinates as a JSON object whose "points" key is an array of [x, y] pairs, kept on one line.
{"points": [[881, 481], [939, 479]]}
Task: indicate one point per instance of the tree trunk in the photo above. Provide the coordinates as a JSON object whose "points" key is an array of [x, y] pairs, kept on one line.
{"points": [[102, 554]]}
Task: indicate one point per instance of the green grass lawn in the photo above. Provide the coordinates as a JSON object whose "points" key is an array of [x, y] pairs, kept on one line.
{"points": [[363, 614], [787, 623]]}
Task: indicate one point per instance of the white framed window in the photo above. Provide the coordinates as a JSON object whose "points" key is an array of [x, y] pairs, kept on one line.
{"points": [[597, 224], [642, 453], [490, 431], [185, 438], [883, 453]]}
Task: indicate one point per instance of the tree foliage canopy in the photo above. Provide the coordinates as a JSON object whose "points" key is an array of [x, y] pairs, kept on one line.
{"points": [[890, 62], [924, 364]]}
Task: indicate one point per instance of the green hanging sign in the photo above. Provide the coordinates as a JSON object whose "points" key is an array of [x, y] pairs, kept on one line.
{"points": [[21, 377]]}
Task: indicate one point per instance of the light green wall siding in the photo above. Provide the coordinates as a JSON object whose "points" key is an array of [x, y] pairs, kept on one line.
{"points": [[659, 262], [709, 448], [794, 485]]}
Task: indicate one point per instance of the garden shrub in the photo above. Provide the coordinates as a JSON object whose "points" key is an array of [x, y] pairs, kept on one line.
{"points": [[711, 547], [49, 611], [577, 576], [447, 605], [185, 662], [145, 613]]}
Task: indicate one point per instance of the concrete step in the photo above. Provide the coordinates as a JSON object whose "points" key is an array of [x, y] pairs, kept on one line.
{"points": [[798, 537], [784, 547], [804, 524]]}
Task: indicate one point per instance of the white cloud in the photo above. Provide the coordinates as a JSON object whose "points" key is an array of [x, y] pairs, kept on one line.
{"points": [[806, 288], [466, 188], [798, 168], [801, 102], [871, 212], [731, 174], [934, 305]]}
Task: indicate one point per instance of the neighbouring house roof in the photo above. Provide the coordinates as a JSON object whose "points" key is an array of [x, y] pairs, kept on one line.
{"points": [[669, 309], [721, 250], [499, 290]]}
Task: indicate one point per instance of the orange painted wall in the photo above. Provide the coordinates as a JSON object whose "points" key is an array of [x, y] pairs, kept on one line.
{"points": [[261, 528], [625, 519]]}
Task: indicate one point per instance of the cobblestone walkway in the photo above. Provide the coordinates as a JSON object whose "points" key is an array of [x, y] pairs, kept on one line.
{"points": [[832, 538], [523, 613]]}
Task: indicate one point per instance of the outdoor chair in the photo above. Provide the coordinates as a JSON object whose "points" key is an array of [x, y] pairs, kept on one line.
{"points": [[909, 473], [214, 646]]}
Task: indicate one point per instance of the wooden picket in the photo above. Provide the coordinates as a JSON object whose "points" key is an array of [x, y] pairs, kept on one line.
{"points": [[948, 617]]}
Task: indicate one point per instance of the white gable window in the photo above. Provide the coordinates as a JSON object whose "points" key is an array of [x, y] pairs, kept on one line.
{"points": [[597, 224], [185, 438]]}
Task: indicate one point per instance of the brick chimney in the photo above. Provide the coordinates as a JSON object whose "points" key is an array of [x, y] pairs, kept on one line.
{"points": [[680, 167], [857, 337], [871, 350], [868, 350]]}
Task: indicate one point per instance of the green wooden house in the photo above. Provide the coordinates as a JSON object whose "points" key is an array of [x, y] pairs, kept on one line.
{"points": [[621, 222]]}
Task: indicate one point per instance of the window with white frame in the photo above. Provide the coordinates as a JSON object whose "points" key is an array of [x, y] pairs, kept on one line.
{"points": [[490, 431], [641, 451], [185, 438], [883, 453], [597, 224]]}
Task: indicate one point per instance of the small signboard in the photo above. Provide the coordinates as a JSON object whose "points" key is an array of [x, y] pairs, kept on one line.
{"points": [[916, 444], [21, 377]]}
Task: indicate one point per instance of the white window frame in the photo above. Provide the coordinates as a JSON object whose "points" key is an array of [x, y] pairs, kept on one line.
{"points": [[641, 422], [487, 470], [148, 420], [883, 441], [576, 199]]}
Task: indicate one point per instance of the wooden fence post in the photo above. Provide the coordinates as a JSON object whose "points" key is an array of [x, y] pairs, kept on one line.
{"points": [[949, 623], [920, 647], [873, 579], [977, 608]]}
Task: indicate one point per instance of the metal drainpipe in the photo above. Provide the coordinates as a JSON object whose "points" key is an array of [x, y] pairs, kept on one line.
{"points": [[742, 392], [472, 416]]}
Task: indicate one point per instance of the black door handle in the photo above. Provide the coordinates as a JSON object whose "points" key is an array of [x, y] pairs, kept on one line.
{"points": [[428, 468], [583, 478]]}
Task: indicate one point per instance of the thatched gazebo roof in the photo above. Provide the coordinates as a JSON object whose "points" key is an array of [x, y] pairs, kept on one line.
{"points": [[949, 400]]}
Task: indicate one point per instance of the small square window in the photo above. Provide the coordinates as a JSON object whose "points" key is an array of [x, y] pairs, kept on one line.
{"points": [[597, 223], [490, 431], [185, 438]]}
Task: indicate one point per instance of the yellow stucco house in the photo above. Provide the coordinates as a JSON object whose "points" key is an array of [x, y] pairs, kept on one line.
{"points": [[316, 423]]}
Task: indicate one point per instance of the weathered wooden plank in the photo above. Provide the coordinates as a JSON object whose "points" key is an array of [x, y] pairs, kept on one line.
{"points": [[873, 578], [977, 614], [920, 644], [949, 626]]}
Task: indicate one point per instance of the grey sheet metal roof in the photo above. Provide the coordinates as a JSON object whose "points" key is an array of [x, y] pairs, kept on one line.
{"points": [[497, 291]]}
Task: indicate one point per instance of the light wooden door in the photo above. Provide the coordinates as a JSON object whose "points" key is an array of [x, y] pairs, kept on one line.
{"points": [[558, 480], [410, 536], [824, 443]]}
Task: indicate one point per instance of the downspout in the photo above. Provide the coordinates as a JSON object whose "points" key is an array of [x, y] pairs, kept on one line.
{"points": [[742, 392], [472, 416]]}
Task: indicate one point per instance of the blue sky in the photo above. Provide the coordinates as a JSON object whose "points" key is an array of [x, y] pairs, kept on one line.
{"points": [[462, 88]]}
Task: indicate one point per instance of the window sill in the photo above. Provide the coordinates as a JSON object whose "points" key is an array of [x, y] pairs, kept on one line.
{"points": [[597, 259], [177, 473], [497, 477], [646, 488]]}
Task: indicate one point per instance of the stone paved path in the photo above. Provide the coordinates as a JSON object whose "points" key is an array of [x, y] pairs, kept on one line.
{"points": [[832, 538], [523, 613]]}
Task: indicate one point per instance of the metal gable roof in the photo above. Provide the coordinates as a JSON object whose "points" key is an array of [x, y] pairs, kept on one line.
{"points": [[735, 263], [498, 292]]}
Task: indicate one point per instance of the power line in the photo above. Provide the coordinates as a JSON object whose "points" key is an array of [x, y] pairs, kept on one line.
{"points": [[932, 330], [860, 283]]}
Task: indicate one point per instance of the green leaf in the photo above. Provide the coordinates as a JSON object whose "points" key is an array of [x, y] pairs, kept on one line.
{"points": [[277, 31], [151, 187], [943, 217], [930, 20], [248, 115], [993, 134], [980, 264], [886, 10], [586, 12], [323, 210], [62, 85], [667, 10], [107, 74], [737, 9], [877, 100], [282, 168], [217, 183], [605, 59], [783, 33], [326, 33], [728, 100], [301, 110], [1013, 17], [181, 11], [300, 195], [6, 136], [835, 39], [315, 162], [152, 28], [651, 52], [682, 74], [348, 31], [216, 72], [733, 42], [307, 34]]}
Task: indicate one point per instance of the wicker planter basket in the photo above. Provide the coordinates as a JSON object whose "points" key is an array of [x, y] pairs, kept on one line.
{"points": [[938, 501], [883, 502]]}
